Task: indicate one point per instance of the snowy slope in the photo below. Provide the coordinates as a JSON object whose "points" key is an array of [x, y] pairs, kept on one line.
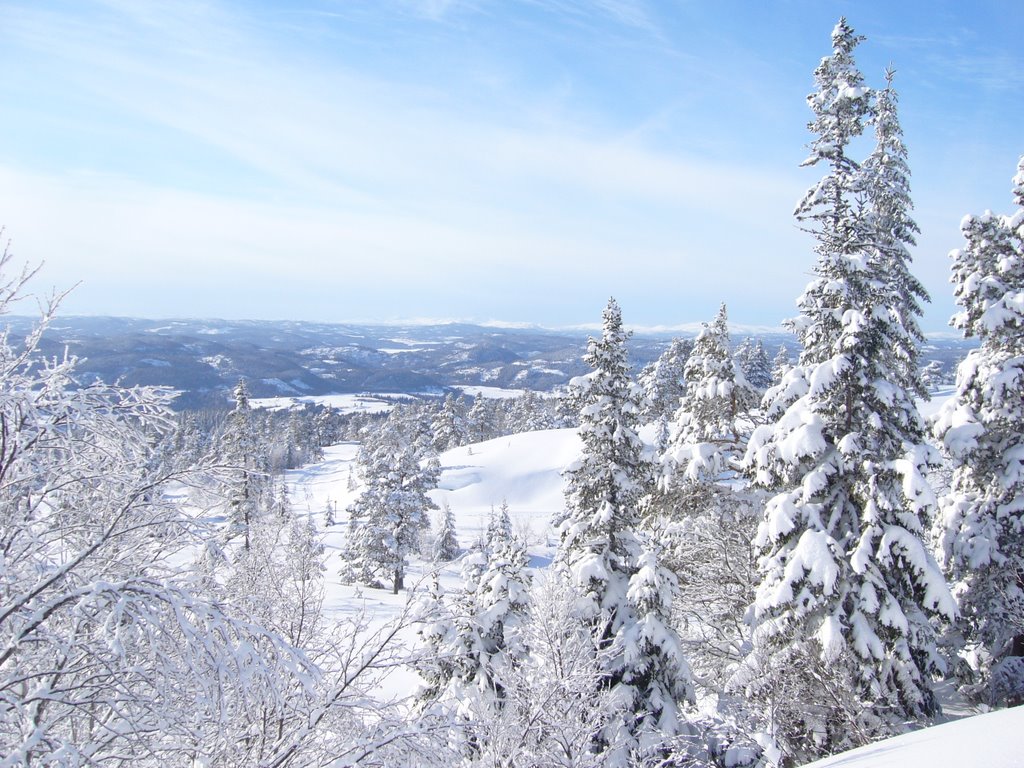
{"points": [[994, 740], [522, 470], [525, 471]]}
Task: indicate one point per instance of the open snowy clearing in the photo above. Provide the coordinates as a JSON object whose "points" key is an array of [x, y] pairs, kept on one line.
{"points": [[522, 470], [495, 393]]}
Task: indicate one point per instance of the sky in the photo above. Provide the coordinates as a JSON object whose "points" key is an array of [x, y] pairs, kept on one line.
{"points": [[509, 160]]}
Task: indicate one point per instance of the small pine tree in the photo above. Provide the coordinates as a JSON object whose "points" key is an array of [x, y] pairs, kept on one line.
{"points": [[932, 375], [499, 527], [780, 365], [758, 371], [446, 545]]}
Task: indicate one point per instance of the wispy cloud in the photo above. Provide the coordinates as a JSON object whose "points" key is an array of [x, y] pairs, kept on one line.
{"points": [[278, 141]]}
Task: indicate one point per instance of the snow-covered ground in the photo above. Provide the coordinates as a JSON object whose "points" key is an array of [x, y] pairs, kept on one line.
{"points": [[939, 397], [344, 403], [495, 393], [993, 740], [524, 471]]}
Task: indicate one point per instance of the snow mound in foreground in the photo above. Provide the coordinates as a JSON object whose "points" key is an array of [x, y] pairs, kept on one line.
{"points": [[993, 740]]}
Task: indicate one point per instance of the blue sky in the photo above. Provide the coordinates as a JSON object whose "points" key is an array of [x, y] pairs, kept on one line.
{"points": [[516, 161]]}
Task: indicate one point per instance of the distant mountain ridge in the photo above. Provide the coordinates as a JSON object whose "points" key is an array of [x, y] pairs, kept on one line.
{"points": [[203, 359]]}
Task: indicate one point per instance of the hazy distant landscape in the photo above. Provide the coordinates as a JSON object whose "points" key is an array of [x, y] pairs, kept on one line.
{"points": [[204, 359]]}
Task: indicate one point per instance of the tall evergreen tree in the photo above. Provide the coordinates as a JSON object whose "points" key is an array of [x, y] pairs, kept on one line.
{"points": [[239, 449], [980, 428], [888, 231], [848, 586], [703, 521], [622, 589]]}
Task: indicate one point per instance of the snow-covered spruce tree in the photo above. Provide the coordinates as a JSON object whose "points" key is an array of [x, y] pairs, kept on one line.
{"points": [[843, 647], [527, 413], [888, 231], [553, 699], [473, 639], [981, 431], [408, 424], [932, 375], [781, 364], [757, 368], [753, 361], [663, 381], [449, 426], [616, 572], [390, 513], [329, 514], [499, 527], [711, 423], [705, 525], [446, 544], [502, 608], [482, 420], [240, 446], [450, 667]]}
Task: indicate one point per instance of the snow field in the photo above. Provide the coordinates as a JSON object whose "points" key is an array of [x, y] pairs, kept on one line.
{"points": [[342, 403], [993, 740], [523, 470]]}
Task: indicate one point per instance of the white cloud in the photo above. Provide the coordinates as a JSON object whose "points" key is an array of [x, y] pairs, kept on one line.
{"points": [[297, 163]]}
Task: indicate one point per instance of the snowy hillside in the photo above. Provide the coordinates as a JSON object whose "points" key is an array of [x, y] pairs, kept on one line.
{"points": [[522, 470], [993, 740]]}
